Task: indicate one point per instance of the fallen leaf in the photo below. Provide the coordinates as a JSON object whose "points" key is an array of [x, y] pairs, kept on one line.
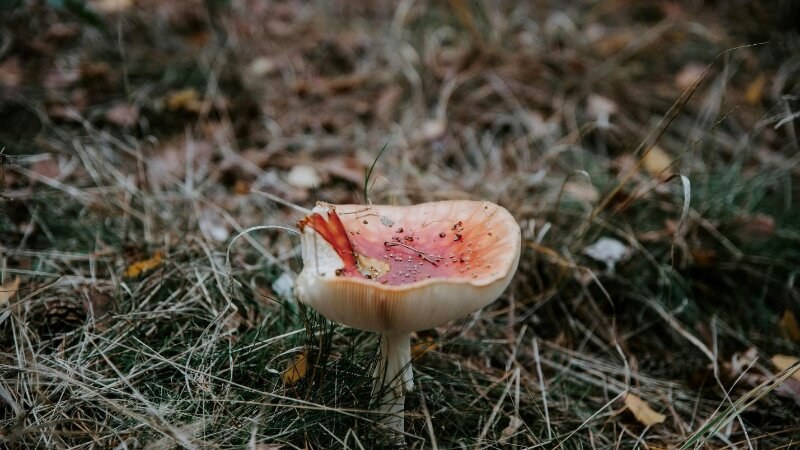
{"points": [[10, 73], [703, 257], [112, 6], [296, 370], [231, 325], [100, 303], [46, 168], [345, 83], [421, 348], [387, 101], [612, 43], [328, 86], [122, 115], [186, 100], [241, 187], [756, 226], [256, 157], [139, 267], [62, 32], [642, 411], [755, 90], [783, 362], [347, 169], [584, 192], [789, 326], [8, 290], [96, 73], [657, 162], [60, 78]]}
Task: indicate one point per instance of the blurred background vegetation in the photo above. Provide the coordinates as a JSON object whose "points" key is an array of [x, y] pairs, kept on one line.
{"points": [[649, 151]]}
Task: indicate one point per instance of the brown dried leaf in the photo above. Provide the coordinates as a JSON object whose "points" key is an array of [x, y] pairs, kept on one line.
{"points": [[783, 362], [241, 187], [97, 73], [122, 115], [756, 226], [704, 257], [112, 6], [789, 326], [10, 73], [100, 303], [185, 100], [642, 411], [657, 162], [140, 267], [60, 78], [582, 191], [296, 369], [8, 290], [386, 103], [62, 32], [46, 168], [419, 349], [345, 168], [755, 90], [612, 43]]}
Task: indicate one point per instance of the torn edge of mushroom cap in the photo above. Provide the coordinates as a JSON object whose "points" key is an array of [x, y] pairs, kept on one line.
{"points": [[319, 256], [368, 304]]}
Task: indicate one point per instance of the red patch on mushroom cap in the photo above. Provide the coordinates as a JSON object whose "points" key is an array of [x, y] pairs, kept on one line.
{"points": [[424, 247], [333, 231]]}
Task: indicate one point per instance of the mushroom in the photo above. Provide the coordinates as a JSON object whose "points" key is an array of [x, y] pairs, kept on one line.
{"points": [[399, 269]]}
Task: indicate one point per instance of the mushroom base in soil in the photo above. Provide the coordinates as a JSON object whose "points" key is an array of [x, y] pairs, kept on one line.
{"points": [[399, 269]]}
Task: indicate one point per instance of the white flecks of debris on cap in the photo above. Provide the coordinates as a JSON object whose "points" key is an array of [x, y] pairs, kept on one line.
{"points": [[303, 177], [609, 251]]}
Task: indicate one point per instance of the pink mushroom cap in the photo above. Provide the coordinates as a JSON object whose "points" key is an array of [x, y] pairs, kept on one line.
{"points": [[406, 268]]}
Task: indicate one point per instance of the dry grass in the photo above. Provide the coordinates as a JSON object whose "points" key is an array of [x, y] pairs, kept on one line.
{"points": [[556, 114]]}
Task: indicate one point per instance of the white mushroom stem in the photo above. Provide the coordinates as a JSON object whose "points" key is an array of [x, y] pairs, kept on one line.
{"points": [[393, 378]]}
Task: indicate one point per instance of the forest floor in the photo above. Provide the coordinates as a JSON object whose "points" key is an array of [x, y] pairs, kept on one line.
{"points": [[649, 151]]}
